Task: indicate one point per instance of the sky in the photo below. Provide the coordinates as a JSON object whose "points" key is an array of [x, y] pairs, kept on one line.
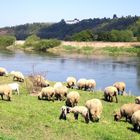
{"points": [[16, 12]]}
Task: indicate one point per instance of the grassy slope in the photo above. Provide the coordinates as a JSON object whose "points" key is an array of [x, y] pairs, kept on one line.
{"points": [[26, 117]]}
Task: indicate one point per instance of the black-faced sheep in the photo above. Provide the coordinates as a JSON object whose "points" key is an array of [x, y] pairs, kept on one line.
{"points": [[120, 87], [95, 109], [76, 111], [6, 90], [72, 98], [136, 120], [110, 92], [17, 76], [3, 71], [137, 100], [61, 92], [71, 82], [81, 84], [47, 93], [126, 111], [90, 84]]}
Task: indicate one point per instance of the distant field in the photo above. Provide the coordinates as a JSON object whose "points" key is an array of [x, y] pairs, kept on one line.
{"points": [[27, 118]]}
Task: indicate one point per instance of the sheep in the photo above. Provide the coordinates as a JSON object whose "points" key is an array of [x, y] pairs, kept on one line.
{"points": [[71, 82], [126, 111], [81, 84], [90, 84], [61, 92], [46, 92], [110, 92], [137, 100], [17, 76], [120, 87], [14, 87], [136, 120], [76, 111], [3, 71], [72, 98], [5, 90], [57, 85], [95, 109]]}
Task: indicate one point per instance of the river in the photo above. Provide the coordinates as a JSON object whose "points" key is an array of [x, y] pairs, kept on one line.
{"points": [[104, 69]]}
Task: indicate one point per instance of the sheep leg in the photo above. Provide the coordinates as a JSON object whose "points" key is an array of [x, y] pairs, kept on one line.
{"points": [[1, 96], [135, 126], [87, 118], [76, 116]]}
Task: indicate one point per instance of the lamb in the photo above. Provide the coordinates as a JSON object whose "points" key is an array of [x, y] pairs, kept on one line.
{"points": [[76, 111], [136, 120], [110, 92], [3, 71], [137, 100], [5, 90], [61, 92], [72, 98], [17, 76], [120, 87], [81, 84], [71, 82], [46, 92], [126, 111], [57, 85], [90, 84], [95, 109], [14, 87]]}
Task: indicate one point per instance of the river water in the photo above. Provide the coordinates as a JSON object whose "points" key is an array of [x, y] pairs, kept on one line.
{"points": [[104, 69]]}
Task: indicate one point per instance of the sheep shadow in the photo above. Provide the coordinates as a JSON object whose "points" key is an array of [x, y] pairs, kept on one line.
{"points": [[133, 130]]}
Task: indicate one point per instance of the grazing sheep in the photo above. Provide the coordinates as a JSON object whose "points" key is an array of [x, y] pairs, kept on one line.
{"points": [[136, 120], [3, 71], [17, 76], [57, 85], [126, 111], [61, 92], [95, 109], [110, 92], [72, 98], [14, 87], [76, 111], [90, 84], [137, 100], [5, 90], [71, 82], [81, 84], [120, 87], [46, 92]]}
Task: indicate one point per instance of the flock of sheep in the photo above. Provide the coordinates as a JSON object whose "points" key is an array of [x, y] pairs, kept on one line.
{"points": [[91, 110]]}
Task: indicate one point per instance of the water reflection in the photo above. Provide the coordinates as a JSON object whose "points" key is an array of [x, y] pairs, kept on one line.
{"points": [[104, 69]]}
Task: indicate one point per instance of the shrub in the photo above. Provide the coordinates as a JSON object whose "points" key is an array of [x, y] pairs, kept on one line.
{"points": [[45, 44], [6, 41]]}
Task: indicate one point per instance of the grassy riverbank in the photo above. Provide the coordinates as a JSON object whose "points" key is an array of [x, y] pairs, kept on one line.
{"points": [[26, 117]]}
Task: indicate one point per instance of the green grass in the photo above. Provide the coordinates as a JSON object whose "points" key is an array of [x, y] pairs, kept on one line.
{"points": [[27, 118]]}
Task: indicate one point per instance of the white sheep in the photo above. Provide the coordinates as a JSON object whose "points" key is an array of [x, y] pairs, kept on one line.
{"points": [[136, 120], [137, 100], [81, 83], [90, 84], [72, 98], [76, 111], [95, 109], [47, 93], [3, 71], [14, 87], [110, 92], [120, 87], [71, 82], [61, 92], [5, 90], [57, 85], [17, 76]]}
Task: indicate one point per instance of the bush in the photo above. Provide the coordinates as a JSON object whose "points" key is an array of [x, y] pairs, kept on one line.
{"points": [[7, 41], [45, 44]]}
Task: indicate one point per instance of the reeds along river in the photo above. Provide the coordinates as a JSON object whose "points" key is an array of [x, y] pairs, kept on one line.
{"points": [[104, 69]]}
